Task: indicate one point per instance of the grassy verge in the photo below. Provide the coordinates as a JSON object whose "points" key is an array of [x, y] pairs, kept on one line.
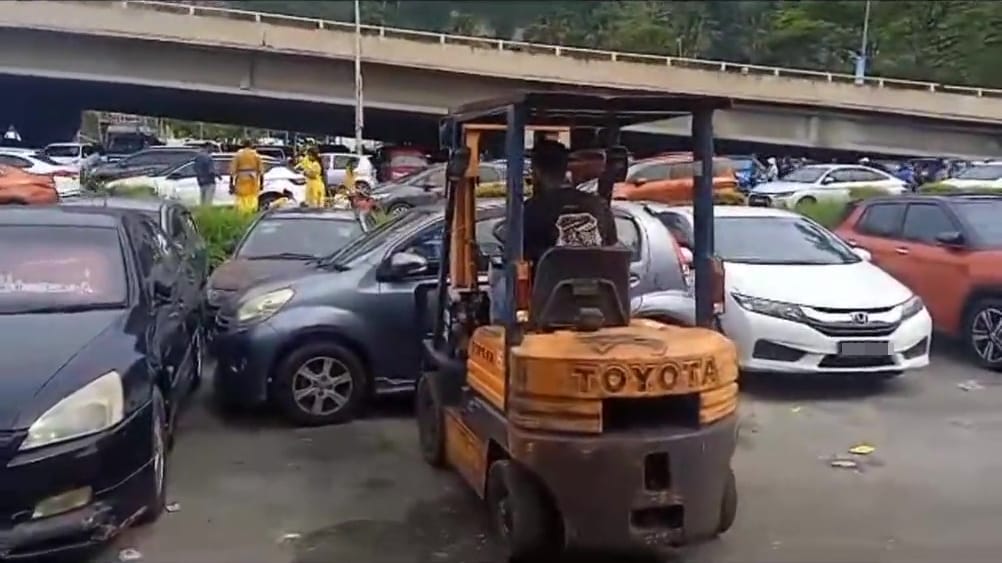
{"points": [[222, 228]]}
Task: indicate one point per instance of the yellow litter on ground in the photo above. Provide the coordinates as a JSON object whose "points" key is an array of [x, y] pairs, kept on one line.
{"points": [[862, 449]]}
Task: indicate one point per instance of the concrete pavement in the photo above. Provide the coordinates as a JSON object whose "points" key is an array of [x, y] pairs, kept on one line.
{"points": [[256, 491]]}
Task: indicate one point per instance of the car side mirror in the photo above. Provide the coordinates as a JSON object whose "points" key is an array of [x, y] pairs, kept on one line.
{"points": [[174, 176], [827, 180], [639, 181], [950, 238], [863, 253], [402, 264]]}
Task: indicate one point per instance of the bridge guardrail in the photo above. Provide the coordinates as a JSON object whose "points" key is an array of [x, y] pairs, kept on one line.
{"points": [[556, 50]]}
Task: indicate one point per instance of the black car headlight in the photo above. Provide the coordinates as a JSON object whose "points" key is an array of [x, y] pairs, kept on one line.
{"points": [[97, 406], [769, 307], [912, 307]]}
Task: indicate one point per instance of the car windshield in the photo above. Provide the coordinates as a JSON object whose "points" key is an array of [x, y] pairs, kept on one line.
{"points": [[805, 175], [62, 150], [778, 240], [988, 172], [376, 237], [60, 268], [983, 216], [298, 237], [125, 144]]}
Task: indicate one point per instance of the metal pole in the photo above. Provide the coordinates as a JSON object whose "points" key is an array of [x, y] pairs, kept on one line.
{"points": [[702, 214], [861, 58], [359, 120]]}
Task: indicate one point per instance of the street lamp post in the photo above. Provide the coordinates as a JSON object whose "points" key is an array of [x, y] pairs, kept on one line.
{"points": [[359, 121], [861, 57]]}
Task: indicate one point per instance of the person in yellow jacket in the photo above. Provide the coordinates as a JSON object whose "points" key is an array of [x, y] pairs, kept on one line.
{"points": [[313, 170], [246, 177]]}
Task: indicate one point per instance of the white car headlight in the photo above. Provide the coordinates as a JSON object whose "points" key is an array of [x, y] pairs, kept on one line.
{"points": [[912, 307], [97, 406], [768, 307], [260, 307]]}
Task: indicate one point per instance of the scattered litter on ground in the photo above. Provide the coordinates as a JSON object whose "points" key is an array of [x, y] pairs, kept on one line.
{"points": [[129, 554], [796, 409], [962, 423], [862, 449], [172, 507], [290, 537], [842, 463], [971, 385]]}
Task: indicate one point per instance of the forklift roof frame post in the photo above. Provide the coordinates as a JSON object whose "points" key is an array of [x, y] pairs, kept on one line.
{"points": [[607, 111]]}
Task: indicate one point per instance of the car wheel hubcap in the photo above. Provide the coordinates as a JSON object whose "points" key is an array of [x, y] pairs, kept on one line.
{"points": [[986, 335], [322, 386]]}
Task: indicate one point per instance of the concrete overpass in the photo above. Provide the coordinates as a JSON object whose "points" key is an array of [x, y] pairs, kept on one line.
{"points": [[221, 65]]}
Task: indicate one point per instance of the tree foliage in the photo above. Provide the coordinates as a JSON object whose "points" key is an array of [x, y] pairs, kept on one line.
{"points": [[948, 41]]}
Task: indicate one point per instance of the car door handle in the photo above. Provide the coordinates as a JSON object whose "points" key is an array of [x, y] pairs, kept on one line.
{"points": [[901, 250]]}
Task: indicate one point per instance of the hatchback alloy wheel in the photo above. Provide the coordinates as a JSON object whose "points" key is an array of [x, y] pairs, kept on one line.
{"points": [[986, 335], [322, 386]]}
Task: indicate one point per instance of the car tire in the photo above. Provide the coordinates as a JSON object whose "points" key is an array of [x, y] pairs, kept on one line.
{"points": [[519, 513], [983, 318], [398, 208], [805, 201], [729, 503], [325, 368], [430, 421], [157, 485]]}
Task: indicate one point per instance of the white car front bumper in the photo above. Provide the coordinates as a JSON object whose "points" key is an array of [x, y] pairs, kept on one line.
{"points": [[771, 344]]}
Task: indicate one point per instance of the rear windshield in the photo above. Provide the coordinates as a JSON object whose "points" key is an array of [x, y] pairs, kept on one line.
{"points": [[987, 172], [46, 267], [62, 150], [983, 216], [409, 160], [298, 237]]}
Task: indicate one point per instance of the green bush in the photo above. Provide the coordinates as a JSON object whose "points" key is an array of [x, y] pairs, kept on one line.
{"points": [[941, 188], [828, 213], [137, 190], [866, 192], [221, 227]]}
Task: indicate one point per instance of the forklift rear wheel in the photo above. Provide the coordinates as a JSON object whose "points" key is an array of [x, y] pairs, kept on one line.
{"points": [[729, 504], [431, 422], [519, 512]]}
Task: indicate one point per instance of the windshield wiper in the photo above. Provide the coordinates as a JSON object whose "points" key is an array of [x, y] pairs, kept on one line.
{"points": [[283, 256]]}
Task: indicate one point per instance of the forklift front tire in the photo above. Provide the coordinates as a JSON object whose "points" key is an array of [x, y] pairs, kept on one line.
{"points": [[729, 503], [520, 513], [431, 421]]}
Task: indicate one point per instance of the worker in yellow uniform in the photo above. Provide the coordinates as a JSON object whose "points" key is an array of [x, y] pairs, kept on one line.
{"points": [[312, 168], [246, 177]]}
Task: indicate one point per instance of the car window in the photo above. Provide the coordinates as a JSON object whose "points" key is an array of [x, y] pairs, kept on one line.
{"points": [[55, 266], [341, 161], [186, 171], [678, 226], [490, 174], [923, 222], [842, 175], [427, 244], [864, 175], [881, 220], [89, 150], [71, 151], [291, 237], [629, 236], [15, 161], [650, 172], [805, 175], [985, 172], [142, 159], [983, 217], [789, 240]]}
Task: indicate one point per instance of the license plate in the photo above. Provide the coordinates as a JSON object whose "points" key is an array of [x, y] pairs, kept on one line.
{"points": [[759, 201], [864, 348]]}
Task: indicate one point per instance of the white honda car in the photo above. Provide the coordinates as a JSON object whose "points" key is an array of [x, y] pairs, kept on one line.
{"points": [[179, 183], [800, 300], [820, 182]]}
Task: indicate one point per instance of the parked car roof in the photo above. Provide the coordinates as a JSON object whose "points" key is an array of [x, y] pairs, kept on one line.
{"points": [[57, 216], [312, 212], [724, 210], [142, 204]]}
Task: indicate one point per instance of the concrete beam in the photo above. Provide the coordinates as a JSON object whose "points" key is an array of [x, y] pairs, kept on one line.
{"points": [[109, 19]]}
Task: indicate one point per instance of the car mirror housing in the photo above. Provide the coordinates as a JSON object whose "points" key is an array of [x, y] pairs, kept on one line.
{"points": [[863, 253], [950, 238], [403, 264]]}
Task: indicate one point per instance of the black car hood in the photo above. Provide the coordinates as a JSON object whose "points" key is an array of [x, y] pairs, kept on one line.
{"points": [[239, 274], [34, 348]]}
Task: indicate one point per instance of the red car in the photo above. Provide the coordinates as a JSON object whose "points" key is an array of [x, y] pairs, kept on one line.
{"points": [[397, 162], [18, 187]]}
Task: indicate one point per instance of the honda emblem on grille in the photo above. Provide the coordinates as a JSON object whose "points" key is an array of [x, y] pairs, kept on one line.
{"points": [[860, 318]]}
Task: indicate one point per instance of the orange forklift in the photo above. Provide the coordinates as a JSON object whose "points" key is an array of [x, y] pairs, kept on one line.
{"points": [[580, 427]]}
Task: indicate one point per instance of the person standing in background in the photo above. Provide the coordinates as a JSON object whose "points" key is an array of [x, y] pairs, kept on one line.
{"points": [[313, 170], [205, 173], [246, 177]]}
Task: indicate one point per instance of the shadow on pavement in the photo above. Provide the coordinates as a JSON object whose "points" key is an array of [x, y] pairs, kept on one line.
{"points": [[781, 387]]}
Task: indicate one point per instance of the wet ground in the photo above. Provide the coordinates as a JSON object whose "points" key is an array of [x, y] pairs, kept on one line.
{"points": [[256, 491]]}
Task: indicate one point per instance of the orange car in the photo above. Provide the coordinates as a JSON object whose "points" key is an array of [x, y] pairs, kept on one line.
{"points": [[669, 179], [948, 250], [18, 187]]}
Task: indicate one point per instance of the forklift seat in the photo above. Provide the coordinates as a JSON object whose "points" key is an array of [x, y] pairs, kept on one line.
{"points": [[581, 288]]}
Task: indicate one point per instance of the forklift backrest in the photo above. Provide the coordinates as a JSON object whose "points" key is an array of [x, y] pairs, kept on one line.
{"points": [[581, 288]]}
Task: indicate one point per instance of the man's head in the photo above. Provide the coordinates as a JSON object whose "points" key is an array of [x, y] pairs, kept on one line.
{"points": [[549, 164], [246, 143]]}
